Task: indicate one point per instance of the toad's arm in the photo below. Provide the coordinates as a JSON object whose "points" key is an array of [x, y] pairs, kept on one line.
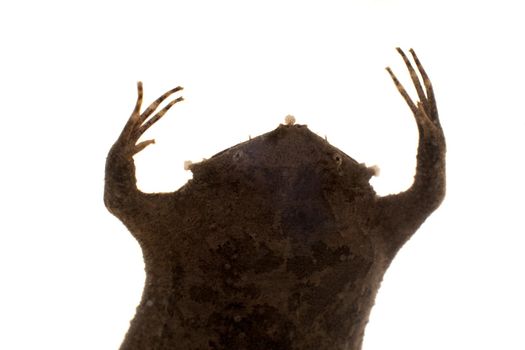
{"points": [[400, 215], [121, 195]]}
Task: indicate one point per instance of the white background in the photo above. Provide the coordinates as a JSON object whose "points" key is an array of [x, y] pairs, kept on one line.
{"points": [[70, 273]]}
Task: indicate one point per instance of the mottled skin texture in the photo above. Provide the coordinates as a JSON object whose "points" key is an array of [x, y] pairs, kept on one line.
{"points": [[277, 243]]}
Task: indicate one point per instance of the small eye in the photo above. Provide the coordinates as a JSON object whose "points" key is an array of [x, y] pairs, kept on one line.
{"points": [[237, 155], [338, 159]]}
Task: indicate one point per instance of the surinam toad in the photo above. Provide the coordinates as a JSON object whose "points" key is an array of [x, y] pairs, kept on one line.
{"points": [[276, 243]]}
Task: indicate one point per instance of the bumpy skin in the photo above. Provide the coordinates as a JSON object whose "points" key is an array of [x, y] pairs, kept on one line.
{"points": [[277, 243]]}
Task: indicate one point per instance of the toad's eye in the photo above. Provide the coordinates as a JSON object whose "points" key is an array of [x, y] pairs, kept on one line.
{"points": [[338, 159], [237, 156]]}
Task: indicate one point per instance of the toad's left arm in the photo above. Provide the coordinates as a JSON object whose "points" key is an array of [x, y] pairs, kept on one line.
{"points": [[399, 216]]}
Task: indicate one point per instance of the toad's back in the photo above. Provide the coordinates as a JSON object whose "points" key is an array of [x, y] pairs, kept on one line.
{"points": [[267, 252]]}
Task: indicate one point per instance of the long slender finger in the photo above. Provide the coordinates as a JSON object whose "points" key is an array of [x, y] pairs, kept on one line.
{"points": [[428, 127], [157, 116], [423, 118], [415, 78], [402, 91], [153, 106], [428, 87], [132, 121], [140, 92], [139, 147]]}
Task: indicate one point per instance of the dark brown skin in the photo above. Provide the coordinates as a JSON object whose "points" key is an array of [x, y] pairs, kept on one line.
{"points": [[277, 243]]}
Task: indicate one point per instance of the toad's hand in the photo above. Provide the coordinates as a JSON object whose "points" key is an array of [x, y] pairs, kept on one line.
{"points": [[425, 111], [138, 123]]}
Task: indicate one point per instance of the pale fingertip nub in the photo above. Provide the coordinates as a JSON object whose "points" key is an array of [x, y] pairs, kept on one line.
{"points": [[375, 170]]}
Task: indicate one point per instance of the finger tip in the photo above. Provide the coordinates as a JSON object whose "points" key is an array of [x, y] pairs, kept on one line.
{"points": [[139, 87]]}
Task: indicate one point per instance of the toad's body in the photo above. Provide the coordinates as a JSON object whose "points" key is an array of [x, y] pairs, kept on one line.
{"points": [[277, 243]]}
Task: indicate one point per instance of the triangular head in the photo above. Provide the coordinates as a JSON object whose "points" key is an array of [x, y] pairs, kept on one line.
{"points": [[278, 243], [287, 155]]}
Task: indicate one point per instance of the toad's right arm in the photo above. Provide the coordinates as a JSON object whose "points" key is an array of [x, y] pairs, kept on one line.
{"points": [[121, 195]]}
